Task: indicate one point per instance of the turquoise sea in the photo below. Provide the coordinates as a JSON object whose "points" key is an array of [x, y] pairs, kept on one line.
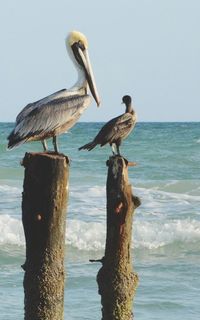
{"points": [[166, 228]]}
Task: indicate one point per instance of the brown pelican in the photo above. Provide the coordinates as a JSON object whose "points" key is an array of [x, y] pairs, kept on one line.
{"points": [[117, 129], [59, 111]]}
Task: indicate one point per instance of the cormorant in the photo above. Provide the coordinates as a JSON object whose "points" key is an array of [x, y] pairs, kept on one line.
{"points": [[115, 130]]}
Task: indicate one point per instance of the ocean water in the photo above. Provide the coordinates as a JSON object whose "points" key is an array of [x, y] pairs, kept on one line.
{"points": [[166, 227]]}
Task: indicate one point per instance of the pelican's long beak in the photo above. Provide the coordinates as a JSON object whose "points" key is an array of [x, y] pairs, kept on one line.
{"points": [[83, 59], [90, 77]]}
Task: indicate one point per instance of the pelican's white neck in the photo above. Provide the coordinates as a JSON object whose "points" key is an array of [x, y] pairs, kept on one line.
{"points": [[81, 82]]}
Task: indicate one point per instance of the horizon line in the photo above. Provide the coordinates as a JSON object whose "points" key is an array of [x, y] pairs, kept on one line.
{"points": [[154, 121]]}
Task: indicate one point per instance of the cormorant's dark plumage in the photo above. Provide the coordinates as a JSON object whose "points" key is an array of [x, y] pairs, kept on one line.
{"points": [[115, 130]]}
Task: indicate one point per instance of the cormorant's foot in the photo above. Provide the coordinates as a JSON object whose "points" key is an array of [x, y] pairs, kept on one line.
{"points": [[116, 154]]}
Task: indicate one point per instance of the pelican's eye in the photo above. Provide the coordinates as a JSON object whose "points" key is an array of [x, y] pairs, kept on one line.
{"points": [[81, 45]]}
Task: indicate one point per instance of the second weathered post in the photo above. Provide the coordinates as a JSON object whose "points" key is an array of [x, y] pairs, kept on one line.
{"points": [[43, 214], [116, 280]]}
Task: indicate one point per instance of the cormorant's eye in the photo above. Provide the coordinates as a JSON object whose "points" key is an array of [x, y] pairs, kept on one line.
{"points": [[81, 45]]}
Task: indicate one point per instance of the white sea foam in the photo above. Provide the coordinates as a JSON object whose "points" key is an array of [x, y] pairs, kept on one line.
{"points": [[164, 217], [11, 231], [85, 236], [154, 234], [150, 235], [91, 235]]}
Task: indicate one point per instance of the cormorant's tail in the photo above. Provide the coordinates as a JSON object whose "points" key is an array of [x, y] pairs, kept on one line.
{"points": [[89, 146]]}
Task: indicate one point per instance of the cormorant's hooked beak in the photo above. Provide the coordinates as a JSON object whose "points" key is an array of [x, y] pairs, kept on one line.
{"points": [[82, 57]]}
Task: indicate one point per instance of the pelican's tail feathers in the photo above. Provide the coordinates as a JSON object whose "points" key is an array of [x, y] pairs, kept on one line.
{"points": [[14, 141], [12, 145], [89, 146]]}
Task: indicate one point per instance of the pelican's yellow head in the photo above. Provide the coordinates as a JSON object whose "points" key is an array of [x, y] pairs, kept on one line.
{"points": [[77, 44], [76, 36]]}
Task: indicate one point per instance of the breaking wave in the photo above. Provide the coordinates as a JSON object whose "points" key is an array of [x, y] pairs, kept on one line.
{"points": [[91, 235]]}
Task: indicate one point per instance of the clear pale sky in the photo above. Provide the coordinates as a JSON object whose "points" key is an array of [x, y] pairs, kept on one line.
{"points": [[149, 49]]}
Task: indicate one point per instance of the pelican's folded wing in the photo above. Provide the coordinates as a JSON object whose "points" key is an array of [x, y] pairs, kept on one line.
{"points": [[46, 117], [31, 106]]}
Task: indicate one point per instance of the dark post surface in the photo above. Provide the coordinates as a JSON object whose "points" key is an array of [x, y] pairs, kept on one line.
{"points": [[43, 215], [116, 280]]}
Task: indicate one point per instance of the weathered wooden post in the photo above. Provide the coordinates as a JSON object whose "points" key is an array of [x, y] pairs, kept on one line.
{"points": [[116, 280], [43, 215]]}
